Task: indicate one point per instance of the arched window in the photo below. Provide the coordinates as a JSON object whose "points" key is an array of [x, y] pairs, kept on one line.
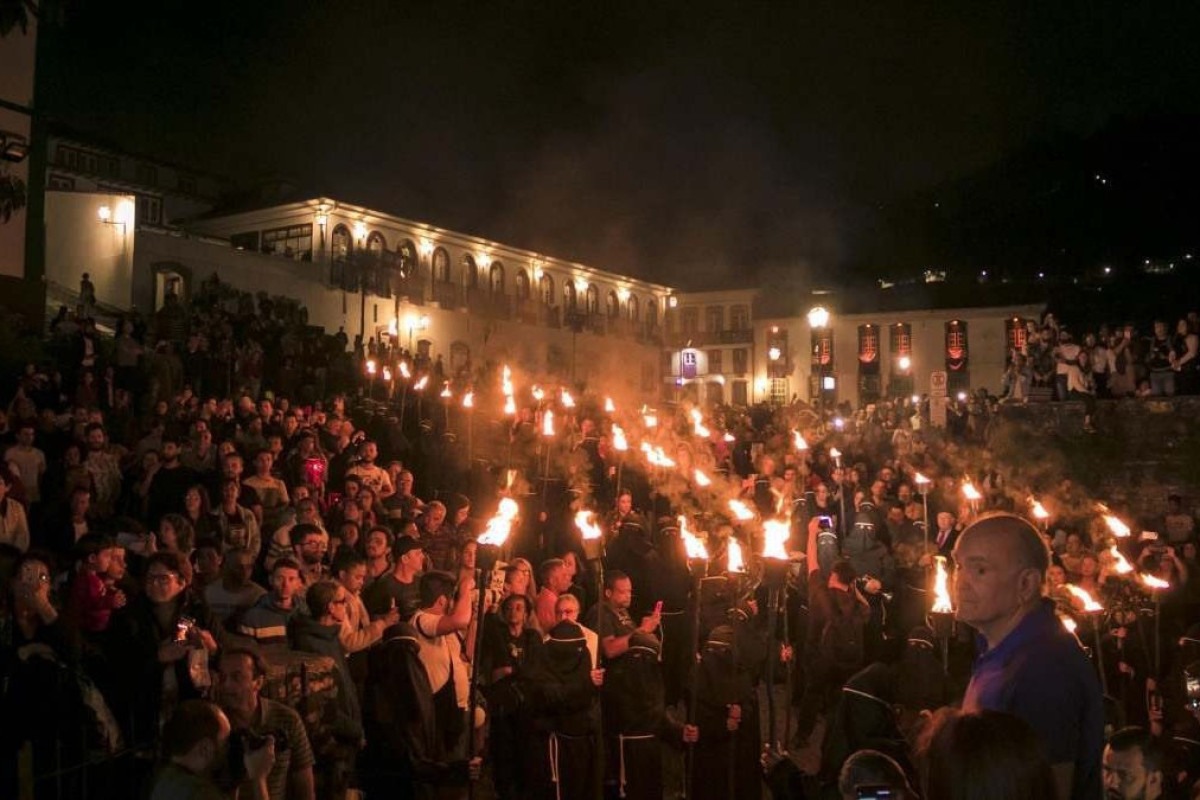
{"points": [[376, 244], [522, 285], [340, 243], [547, 289], [496, 278], [652, 313], [593, 299], [614, 305], [570, 297], [441, 265], [470, 273], [634, 311]]}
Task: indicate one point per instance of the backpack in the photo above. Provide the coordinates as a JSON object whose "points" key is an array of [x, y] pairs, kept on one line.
{"points": [[841, 641]]}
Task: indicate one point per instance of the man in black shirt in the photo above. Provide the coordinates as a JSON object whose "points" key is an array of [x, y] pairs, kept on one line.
{"points": [[169, 484], [400, 588]]}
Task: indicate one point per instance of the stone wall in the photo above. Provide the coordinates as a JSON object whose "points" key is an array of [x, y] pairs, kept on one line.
{"points": [[1143, 450]]}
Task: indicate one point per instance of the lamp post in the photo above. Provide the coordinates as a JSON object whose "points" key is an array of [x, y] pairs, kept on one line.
{"points": [[818, 319]]}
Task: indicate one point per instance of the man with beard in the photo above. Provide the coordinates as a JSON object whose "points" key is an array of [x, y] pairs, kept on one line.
{"points": [[310, 545], [241, 675], [103, 464], [611, 621], [1133, 767], [195, 742], [636, 721], [169, 484], [372, 475], [561, 705]]}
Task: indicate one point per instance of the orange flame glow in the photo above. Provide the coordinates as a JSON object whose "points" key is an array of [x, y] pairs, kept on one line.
{"points": [[588, 527], [701, 479], [538, 393], [370, 366], [567, 400], [1154, 582], [1118, 528], [921, 480], [420, 385], [619, 441], [609, 406], [741, 511], [941, 588], [506, 384], [1120, 565], [446, 391], [405, 372], [775, 536], [649, 418], [387, 374], [1089, 603], [735, 562], [510, 406], [798, 441], [691, 542], [548, 423], [469, 400], [1039, 510], [499, 526], [970, 492], [698, 424], [657, 456]]}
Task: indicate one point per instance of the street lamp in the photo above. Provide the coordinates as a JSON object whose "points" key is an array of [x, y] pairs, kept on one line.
{"points": [[818, 320]]}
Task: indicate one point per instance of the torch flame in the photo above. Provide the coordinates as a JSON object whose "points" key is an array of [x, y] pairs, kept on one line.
{"points": [[537, 393], [567, 400], [387, 374], [798, 441], [421, 384], [698, 424], [509, 477], [941, 588], [506, 384], [835, 454], [970, 492], [404, 370], [729, 437], [619, 441], [691, 542], [1154, 582], [649, 418], [1089, 603], [921, 480], [1069, 624], [701, 479], [1118, 528], [1120, 565], [370, 366], [734, 560], [548, 423], [741, 511], [657, 456], [469, 400], [609, 406], [510, 405], [775, 536], [588, 527], [1039, 510], [499, 526], [446, 391]]}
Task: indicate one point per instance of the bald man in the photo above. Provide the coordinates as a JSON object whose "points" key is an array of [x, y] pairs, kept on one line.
{"points": [[1029, 665]]}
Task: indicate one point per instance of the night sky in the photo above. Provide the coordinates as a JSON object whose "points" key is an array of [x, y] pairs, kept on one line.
{"points": [[695, 142]]}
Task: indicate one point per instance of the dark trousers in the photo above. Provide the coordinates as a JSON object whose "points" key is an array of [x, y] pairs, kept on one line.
{"points": [[822, 685]]}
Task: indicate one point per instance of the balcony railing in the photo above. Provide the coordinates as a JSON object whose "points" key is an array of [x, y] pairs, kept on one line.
{"points": [[448, 295], [709, 338]]}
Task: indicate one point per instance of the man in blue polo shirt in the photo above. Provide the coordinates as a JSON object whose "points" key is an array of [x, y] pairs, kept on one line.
{"points": [[1029, 666]]}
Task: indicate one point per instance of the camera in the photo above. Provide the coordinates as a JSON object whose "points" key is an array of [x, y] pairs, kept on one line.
{"points": [[184, 627], [862, 581], [247, 741], [824, 523]]}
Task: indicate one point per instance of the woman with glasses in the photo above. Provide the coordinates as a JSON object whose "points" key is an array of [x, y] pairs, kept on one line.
{"points": [[159, 648]]}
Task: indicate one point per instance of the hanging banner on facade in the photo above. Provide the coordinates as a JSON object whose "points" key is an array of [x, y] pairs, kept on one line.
{"points": [[868, 349], [956, 346]]}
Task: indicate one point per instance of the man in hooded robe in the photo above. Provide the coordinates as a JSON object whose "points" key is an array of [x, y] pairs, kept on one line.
{"points": [[406, 756], [563, 749], [636, 721], [726, 760]]}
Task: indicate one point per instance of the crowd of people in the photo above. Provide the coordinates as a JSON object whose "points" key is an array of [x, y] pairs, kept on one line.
{"points": [[224, 572]]}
